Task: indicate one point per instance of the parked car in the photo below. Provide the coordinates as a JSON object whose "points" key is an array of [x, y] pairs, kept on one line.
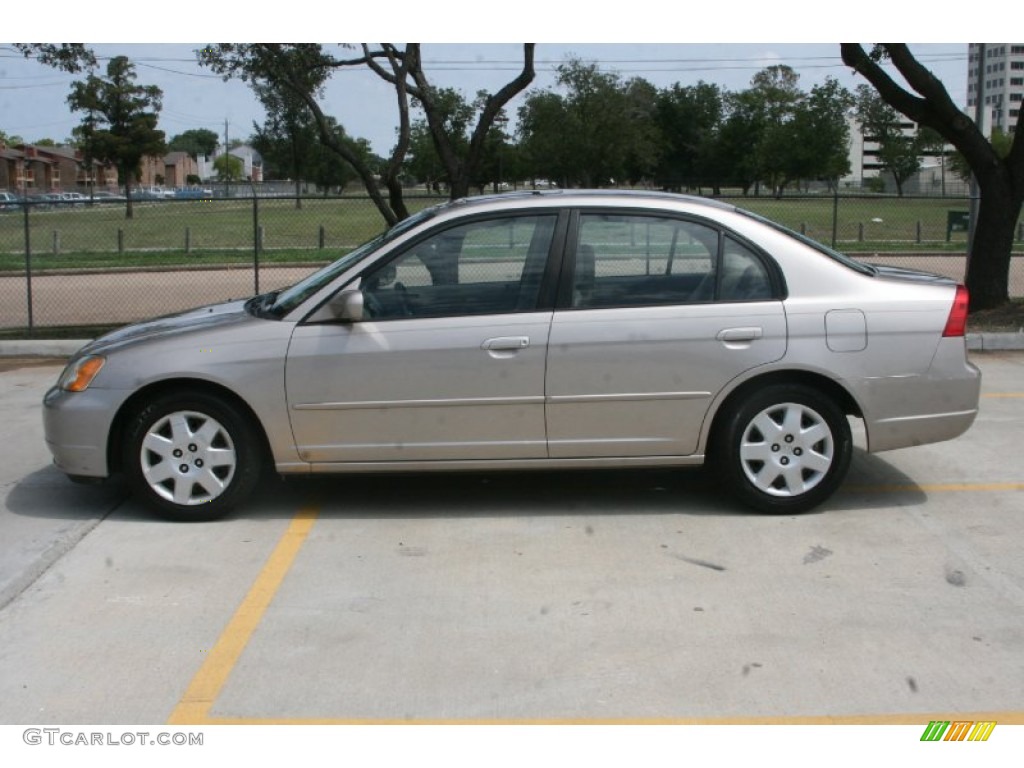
{"points": [[10, 201], [143, 195], [39, 201], [521, 331], [194, 193], [102, 196], [74, 198], [152, 193]]}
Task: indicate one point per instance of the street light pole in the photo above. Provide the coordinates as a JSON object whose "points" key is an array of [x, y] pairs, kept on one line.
{"points": [[979, 119]]}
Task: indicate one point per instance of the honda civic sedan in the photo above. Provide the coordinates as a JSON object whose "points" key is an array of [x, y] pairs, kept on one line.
{"points": [[532, 331]]}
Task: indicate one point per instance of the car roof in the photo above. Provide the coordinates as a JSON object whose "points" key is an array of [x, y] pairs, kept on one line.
{"points": [[585, 197]]}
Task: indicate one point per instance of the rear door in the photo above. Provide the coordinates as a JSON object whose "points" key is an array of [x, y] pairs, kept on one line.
{"points": [[655, 316]]}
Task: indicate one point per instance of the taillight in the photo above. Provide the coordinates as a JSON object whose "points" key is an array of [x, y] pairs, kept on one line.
{"points": [[956, 324]]}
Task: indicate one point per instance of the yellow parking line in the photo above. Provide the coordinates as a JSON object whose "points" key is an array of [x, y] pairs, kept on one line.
{"points": [[1010, 717], [195, 705], [1003, 394]]}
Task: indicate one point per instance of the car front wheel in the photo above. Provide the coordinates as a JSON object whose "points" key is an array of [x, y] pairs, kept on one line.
{"points": [[192, 456], [785, 449]]}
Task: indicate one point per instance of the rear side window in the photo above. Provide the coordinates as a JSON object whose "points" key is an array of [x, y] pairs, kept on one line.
{"points": [[744, 276], [643, 260], [646, 260]]}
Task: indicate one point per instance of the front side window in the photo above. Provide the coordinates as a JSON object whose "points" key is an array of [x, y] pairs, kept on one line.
{"points": [[487, 266], [288, 299]]}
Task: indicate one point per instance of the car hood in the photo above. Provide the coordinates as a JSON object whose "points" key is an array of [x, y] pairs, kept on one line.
{"points": [[201, 319]]}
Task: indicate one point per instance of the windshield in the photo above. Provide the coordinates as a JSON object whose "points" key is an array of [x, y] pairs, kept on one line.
{"points": [[288, 299], [842, 258]]}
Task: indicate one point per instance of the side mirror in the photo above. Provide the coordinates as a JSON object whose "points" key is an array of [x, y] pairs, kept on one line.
{"points": [[348, 306]]}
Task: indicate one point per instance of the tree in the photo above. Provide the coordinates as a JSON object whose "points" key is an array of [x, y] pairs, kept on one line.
{"points": [[1002, 143], [610, 123], [643, 152], [421, 160], [820, 134], [456, 116], [898, 152], [195, 142], [228, 167], [120, 122], [544, 152], [687, 119], [742, 129], [69, 57], [303, 69], [289, 138], [328, 170], [776, 94], [1000, 179]]}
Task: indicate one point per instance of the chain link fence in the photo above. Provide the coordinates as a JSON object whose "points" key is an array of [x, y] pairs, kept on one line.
{"points": [[82, 266]]}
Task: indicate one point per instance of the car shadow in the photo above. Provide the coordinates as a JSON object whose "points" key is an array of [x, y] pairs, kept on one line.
{"points": [[47, 493], [873, 483]]}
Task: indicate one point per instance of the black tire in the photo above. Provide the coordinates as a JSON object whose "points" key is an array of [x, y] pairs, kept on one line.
{"points": [[192, 456], [783, 449]]}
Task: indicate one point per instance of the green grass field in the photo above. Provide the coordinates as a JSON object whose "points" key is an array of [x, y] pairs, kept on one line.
{"points": [[214, 232], [207, 233]]}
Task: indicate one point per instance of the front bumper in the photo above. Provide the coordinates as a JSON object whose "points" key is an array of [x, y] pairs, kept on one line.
{"points": [[77, 428]]}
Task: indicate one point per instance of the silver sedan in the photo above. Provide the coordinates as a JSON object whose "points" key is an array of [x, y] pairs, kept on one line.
{"points": [[555, 330]]}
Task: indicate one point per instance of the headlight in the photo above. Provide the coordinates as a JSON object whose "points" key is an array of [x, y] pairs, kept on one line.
{"points": [[79, 374]]}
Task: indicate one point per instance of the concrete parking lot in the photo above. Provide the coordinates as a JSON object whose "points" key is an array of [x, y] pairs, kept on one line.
{"points": [[561, 597]]}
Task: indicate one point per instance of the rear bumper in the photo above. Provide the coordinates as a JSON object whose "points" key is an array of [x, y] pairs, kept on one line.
{"points": [[908, 431], [903, 411]]}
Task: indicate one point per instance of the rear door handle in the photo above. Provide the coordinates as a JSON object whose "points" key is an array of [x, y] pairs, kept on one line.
{"points": [[739, 334], [506, 343]]}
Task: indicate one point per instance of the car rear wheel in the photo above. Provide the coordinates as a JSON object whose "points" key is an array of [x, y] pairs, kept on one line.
{"points": [[192, 456], [785, 449]]}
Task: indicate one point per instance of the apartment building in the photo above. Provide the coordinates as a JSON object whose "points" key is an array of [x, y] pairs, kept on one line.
{"points": [[995, 77], [30, 169]]}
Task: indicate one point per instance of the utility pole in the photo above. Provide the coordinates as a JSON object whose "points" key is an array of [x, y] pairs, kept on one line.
{"points": [[979, 119], [227, 162]]}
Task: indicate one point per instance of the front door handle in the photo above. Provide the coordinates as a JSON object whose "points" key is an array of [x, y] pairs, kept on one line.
{"points": [[506, 343]]}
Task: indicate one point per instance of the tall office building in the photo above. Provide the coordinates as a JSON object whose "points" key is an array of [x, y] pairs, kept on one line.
{"points": [[995, 73]]}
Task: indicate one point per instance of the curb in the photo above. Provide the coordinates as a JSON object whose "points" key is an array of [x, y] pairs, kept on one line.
{"points": [[976, 342], [41, 347], [989, 342]]}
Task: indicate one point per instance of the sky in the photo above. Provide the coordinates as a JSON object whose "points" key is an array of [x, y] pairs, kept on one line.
{"points": [[33, 96]]}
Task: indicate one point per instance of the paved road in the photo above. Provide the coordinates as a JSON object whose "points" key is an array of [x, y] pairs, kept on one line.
{"points": [[594, 597]]}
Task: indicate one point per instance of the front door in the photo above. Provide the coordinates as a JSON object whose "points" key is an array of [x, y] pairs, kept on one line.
{"points": [[449, 362]]}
